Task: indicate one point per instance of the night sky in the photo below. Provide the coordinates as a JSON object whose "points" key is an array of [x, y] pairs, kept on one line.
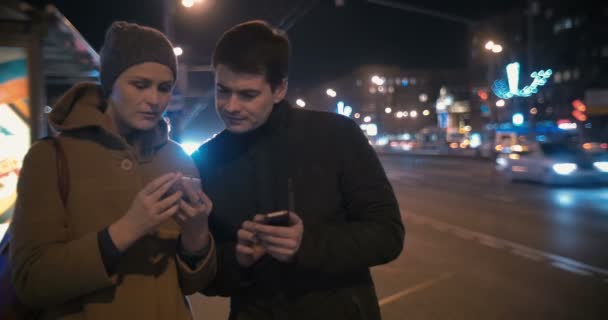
{"points": [[327, 40]]}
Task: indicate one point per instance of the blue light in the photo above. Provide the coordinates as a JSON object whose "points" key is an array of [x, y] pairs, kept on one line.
{"points": [[504, 91], [513, 76], [484, 108], [518, 119], [541, 138], [340, 107], [404, 83], [347, 111]]}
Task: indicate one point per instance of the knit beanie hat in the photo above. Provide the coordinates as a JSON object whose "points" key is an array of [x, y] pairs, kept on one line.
{"points": [[127, 44]]}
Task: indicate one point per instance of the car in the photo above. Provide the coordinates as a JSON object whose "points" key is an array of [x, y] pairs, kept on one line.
{"points": [[553, 163]]}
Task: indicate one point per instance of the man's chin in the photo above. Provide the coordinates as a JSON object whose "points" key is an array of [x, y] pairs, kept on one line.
{"points": [[238, 129]]}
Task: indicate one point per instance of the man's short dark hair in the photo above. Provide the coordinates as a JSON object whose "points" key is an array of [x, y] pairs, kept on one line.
{"points": [[255, 47]]}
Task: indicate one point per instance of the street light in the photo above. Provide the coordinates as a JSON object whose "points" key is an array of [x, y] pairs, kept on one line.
{"points": [[331, 92], [494, 47], [301, 103], [399, 114], [178, 51], [414, 114], [388, 110], [500, 103], [377, 80], [426, 112], [497, 48]]}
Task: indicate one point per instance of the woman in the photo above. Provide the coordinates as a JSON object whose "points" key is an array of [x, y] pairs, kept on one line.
{"points": [[126, 244]]}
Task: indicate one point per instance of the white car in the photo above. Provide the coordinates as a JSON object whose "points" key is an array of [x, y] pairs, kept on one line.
{"points": [[554, 163]]}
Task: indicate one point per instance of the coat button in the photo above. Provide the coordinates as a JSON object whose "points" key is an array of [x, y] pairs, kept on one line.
{"points": [[126, 164]]}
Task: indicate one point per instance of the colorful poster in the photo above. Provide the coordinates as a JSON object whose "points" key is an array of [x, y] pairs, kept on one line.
{"points": [[14, 126]]}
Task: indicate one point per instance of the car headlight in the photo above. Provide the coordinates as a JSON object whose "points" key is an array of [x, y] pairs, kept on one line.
{"points": [[601, 166], [564, 168]]}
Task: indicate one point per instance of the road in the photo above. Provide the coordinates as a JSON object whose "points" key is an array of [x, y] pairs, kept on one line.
{"points": [[478, 247]]}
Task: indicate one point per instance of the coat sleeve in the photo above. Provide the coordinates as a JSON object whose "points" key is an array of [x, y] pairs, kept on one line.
{"points": [[194, 280], [373, 233], [48, 267]]}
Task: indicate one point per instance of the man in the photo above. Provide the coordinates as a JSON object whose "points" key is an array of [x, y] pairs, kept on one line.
{"points": [[343, 215]]}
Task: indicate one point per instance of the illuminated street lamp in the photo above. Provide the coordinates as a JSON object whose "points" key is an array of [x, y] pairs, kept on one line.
{"points": [[301, 103], [497, 48], [188, 3], [178, 51], [331, 92]]}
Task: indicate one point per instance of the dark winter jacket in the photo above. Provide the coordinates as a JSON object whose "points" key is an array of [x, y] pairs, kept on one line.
{"points": [[351, 217]]}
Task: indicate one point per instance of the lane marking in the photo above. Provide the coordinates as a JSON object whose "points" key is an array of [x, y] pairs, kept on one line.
{"points": [[416, 288], [518, 249]]}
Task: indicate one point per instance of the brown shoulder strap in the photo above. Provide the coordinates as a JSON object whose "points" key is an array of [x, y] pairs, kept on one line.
{"points": [[63, 173]]}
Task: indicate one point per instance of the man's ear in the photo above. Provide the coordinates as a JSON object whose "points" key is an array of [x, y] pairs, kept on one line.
{"points": [[280, 91]]}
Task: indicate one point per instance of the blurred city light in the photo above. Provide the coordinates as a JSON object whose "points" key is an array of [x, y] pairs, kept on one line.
{"points": [[399, 114], [367, 119], [378, 81], [178, 51], [564, 168], [372, 129], [426, 112], [533, 111], [347, 111], [188, 3], [357, 115], [189, 147], [513, 77], [500, 103], [331, 92], [388, 110], [503, 91], [423, 97], [601, 165], [475, 140], [414, 114], [518, 119], [497, 48], [489, 45], [301, 103], [567, 126]]}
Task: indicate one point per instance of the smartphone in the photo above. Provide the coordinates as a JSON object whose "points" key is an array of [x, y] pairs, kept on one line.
{"points": [[185, 184], [278, 218]]}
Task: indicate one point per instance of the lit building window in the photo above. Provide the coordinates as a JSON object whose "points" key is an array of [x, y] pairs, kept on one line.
{"points": [[557, 77]]}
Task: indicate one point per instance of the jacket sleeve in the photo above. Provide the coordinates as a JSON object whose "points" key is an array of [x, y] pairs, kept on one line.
{"points": [[373, 233], [230, 276], [48, 267], [192, 280]]}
